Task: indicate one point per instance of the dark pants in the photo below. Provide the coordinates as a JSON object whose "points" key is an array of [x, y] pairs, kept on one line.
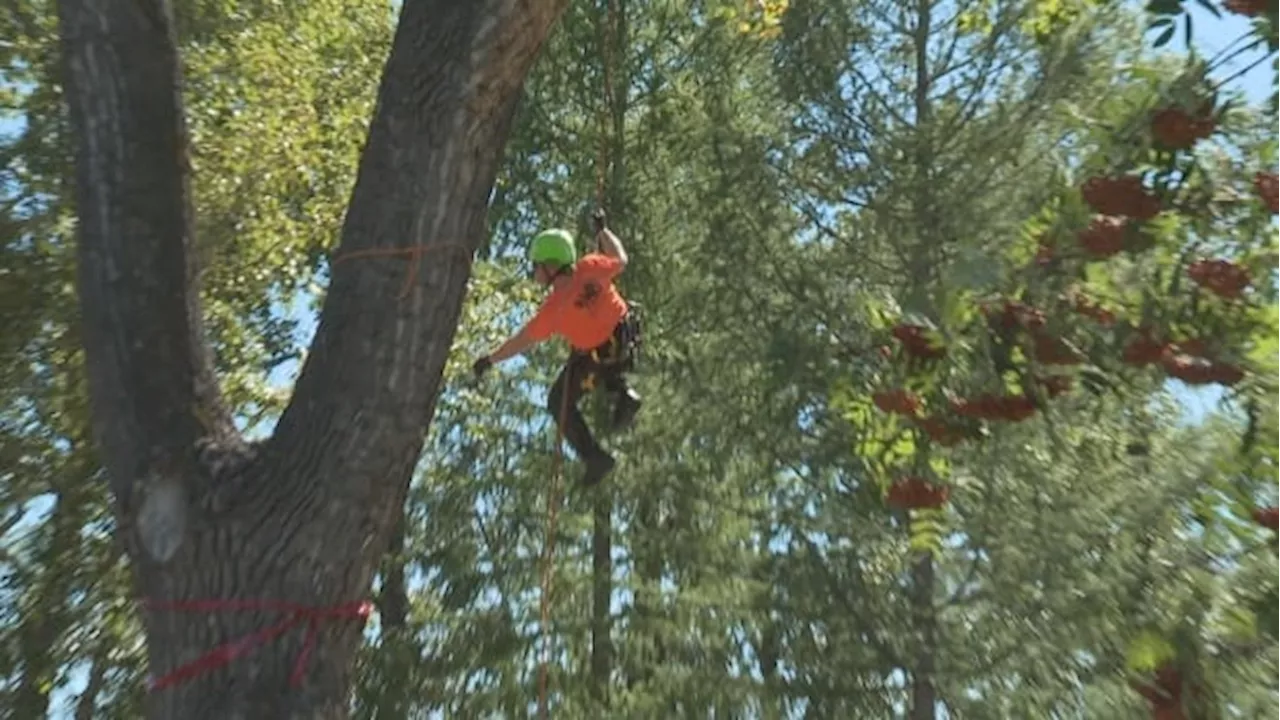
{"points": [[583, 372]]}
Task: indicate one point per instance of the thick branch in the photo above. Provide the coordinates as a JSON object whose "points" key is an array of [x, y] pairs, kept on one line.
{"points": [[151, 382], [445, 106]]}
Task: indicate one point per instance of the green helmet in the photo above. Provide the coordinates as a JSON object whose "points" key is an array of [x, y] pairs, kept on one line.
{"points": [[554, 247]]}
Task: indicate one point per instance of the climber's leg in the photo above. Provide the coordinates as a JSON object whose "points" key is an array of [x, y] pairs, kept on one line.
{"points": [[562, 403], [626, 400]]}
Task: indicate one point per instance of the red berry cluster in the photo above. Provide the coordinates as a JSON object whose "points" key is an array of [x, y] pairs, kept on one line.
{"points": [[1124, 196], [918, 342], [1267, 517], [1104, 237], [1090, 309], [915, 493], [1176, 129], [1268, 188], [1195, 370], [897, 401], [1011, 315], [1050, 350], [1055, 385], [1221, 277], [943, 431], [1250, 8], [1188, 360], [1143, 349], [989, 406]]}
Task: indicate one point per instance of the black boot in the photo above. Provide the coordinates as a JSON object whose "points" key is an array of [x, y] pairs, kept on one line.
{"points": [[625, 409], [598, 466]]}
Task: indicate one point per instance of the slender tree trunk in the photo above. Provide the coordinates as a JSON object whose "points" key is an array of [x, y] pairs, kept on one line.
{"points": [[649, 652], [50, 615], [601, 596], [924, 695], [87, 702], [613, 35], [304, 517]]}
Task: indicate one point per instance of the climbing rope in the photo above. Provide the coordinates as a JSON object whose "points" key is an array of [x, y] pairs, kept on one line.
{"points": [[549, 546], [607, 30]]}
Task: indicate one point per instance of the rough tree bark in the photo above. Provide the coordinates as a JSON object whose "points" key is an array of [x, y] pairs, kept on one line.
{"points": [[305, 516]]}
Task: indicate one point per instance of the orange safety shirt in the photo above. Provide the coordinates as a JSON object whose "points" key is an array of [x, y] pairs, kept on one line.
{"points": [[584, 310]]}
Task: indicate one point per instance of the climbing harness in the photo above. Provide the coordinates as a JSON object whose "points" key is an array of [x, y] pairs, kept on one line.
{"points": [[620, 353], [623, 349]]}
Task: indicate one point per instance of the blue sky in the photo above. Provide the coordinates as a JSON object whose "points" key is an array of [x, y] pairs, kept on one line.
{"points": [[1211, 35]]}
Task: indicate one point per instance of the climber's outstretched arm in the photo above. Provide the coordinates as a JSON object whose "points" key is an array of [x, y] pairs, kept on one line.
{"points": [[514, 345]]}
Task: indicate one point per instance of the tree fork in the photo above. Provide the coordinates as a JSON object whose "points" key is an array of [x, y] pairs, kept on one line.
{"points": [[306, 516]]}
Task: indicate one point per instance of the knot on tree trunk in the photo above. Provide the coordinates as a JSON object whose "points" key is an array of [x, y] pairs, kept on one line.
{"points": [[222, 464]]}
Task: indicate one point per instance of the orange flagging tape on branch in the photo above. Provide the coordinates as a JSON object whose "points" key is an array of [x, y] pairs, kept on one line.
{"points": [[225, 653], [413, 252]]}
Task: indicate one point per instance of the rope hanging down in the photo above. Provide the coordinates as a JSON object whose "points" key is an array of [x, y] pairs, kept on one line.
{"points": [[548, 551], [608, 30]]}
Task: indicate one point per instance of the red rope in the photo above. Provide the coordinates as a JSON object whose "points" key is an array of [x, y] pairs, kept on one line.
{"points": [[549, 548], [225, 653]]}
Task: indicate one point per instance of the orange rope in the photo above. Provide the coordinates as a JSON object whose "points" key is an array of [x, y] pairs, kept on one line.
{"points": [[414, 253], [553, 492], [549, 544]]}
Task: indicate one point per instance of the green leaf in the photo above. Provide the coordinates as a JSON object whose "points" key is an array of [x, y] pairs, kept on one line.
{"points": [[1165, 7], [1240, 624], [1165, 36], [1148, 651]]}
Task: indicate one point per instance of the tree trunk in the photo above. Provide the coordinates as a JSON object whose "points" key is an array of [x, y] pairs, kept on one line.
{"points": [[924, 695], [393, 603], [650, 650], [304, 517], [87, 702], [612, 33], [602, 596]]}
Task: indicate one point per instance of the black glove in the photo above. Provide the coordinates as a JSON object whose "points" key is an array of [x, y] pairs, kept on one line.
{"points": [[481, 366], [598, 220]]}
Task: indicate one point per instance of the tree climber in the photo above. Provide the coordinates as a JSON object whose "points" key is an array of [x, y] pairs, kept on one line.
{"points": [[601, 327]]}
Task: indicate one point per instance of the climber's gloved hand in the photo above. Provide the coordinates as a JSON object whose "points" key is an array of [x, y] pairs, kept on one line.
{"points": [[598, 220], [481, 366]]}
